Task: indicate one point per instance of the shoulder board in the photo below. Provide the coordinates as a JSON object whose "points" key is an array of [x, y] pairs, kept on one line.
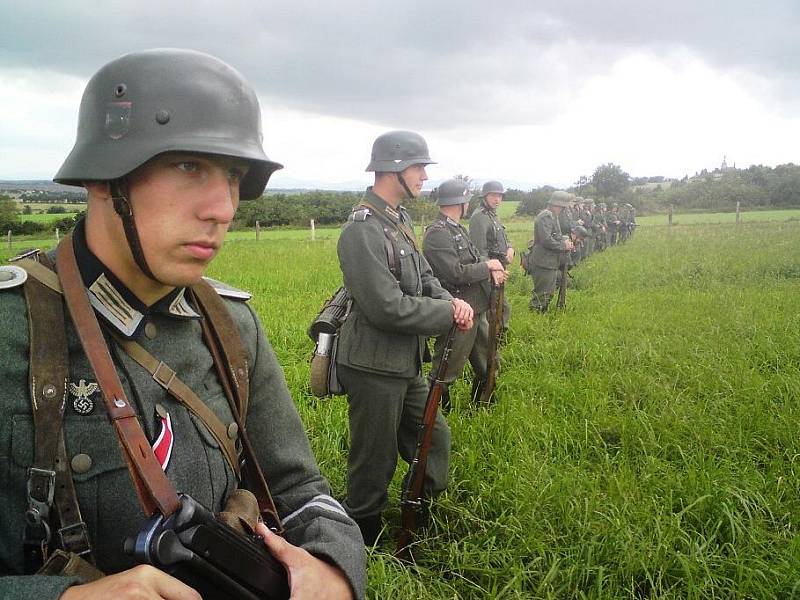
{"points": [[227, 291], [360, 215], [33, 254], [12, 276]]}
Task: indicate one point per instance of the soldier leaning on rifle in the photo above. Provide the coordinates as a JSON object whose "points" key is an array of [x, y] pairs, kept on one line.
{"points": [[489, 235], [168, 143], [461, 271], [548, 251], [397, 304]]}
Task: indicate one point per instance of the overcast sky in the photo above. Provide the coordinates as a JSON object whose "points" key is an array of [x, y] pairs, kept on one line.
{"points": [[529, 92]]}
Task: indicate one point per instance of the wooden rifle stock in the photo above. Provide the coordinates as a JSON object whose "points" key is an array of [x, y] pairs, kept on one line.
{"points": [[562, 287], [484, 389], [411, 503]]}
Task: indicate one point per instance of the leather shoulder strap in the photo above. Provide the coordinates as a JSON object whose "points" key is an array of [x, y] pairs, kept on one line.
{"points": [[155, 491], [167, 378], [223, 341]]}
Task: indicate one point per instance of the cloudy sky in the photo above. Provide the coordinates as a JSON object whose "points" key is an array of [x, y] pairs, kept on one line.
{"points": [[526, 91]]}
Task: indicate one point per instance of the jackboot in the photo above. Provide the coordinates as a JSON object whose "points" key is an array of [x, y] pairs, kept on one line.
{"points": [[370, 528]]}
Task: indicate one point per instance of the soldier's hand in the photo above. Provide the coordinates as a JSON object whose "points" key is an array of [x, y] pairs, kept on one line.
{"points": [[568, 245], [509, 255], [495, 265], [499, 277], [462, 314], [309, 577], [142, 583]]}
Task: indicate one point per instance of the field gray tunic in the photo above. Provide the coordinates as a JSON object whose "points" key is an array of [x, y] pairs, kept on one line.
{"points": [[108, 502]]}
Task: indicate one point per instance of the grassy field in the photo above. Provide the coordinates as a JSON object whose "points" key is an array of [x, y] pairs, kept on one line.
{"points": [[645, 440]]}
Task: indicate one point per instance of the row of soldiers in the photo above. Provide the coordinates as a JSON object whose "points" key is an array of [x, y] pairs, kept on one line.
{"points": [[570, 229], [404, 293]]}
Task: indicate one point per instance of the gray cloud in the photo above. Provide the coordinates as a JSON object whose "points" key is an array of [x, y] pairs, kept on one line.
{"points": [[428, 64]]}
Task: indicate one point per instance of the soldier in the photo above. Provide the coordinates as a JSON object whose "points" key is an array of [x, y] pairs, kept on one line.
{"points": [[586, 219], [599, 220], [631, 219], [613, 223], [459, 267], [489, 234], [168, 143], [397, 304], [623, 223], [549, 246]]}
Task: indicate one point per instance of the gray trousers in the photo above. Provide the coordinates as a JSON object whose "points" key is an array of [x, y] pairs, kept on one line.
{"points": [[544, 283], [385, 413], [472, 345]]}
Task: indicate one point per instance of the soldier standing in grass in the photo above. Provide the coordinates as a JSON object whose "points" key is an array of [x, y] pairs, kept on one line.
{"points": [[489, 235], [168, 143], [599, 222], [613, 223], [586, 219], [397, 304], [549, 246], [461, 270]]}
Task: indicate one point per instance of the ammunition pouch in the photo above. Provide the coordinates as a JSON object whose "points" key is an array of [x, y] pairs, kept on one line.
{"points": [[69, 564]]}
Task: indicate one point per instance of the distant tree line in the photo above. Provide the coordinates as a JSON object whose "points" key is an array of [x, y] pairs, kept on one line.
{"points": [[757, 187], [48, 197], [326, 208], [9, 209]]}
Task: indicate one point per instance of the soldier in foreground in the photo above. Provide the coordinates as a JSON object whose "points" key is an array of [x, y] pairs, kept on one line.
{"points": [[489, 235], [397, 304], [168, 143], [457, 264], [549, 247]]}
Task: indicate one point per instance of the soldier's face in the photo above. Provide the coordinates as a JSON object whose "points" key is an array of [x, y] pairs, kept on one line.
{"points": [[493, 200], [415, 176], [183, 204]]}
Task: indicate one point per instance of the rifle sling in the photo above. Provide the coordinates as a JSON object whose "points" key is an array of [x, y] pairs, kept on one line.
{"points": [[154, 490], [222, 339]]}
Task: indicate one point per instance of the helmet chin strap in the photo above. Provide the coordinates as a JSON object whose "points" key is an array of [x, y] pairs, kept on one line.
{"points": [[402, 181], [123, 207]]}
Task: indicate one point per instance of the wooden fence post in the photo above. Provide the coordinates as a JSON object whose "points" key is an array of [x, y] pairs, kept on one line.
{"points": [[670, 215], [258, 231], [737, 212], [57, 239], [9, 239], [313, 231]]}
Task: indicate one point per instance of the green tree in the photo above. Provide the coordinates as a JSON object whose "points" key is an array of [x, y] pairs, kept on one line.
{"points": [[610, 180], [8, 212]]}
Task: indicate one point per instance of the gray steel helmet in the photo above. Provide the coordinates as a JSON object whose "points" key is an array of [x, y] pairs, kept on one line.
{"points": [[560, 198], [395, 151], [162, 100], [452, 191], [492, 187]]}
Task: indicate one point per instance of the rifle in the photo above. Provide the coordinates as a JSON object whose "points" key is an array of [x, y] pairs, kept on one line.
{"points": [[484, 389], [412, 501], [194, 546], [562, 287]]}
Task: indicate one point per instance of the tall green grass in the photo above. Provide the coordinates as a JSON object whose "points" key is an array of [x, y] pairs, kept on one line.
{"points": [[644, 444], [645, 439]]}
